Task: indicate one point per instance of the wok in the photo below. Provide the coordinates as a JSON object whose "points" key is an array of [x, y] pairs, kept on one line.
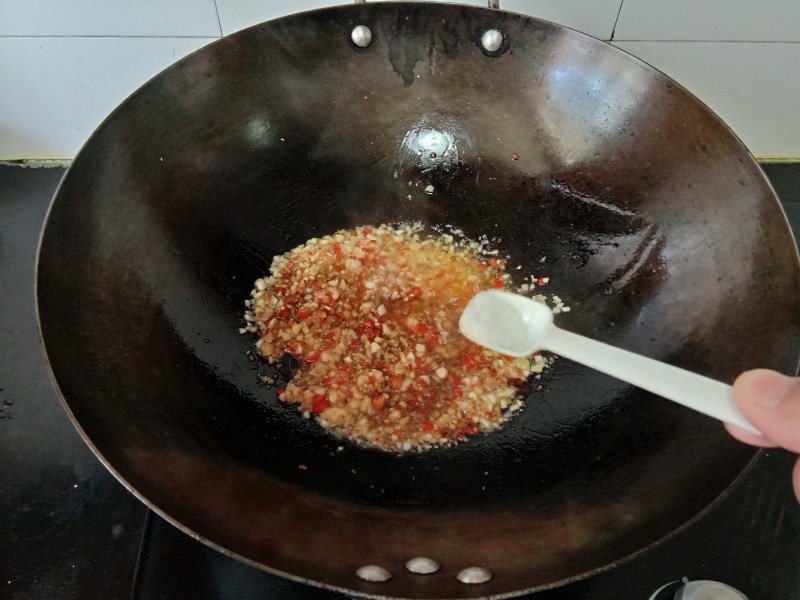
{"points": [[650, 217]]}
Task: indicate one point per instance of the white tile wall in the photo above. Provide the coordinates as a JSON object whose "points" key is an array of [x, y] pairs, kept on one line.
{"points": [[704, 20], [57, 90], [196, 18], [65, 64], [238, 14], [752, 86], [595, 17]]}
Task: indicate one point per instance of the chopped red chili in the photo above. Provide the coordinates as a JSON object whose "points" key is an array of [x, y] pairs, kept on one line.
{"points": [[319, 404]]}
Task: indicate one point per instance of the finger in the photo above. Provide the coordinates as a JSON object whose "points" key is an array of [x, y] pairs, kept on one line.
{"points": [[796, 479], [771, 402], [749, 438]]}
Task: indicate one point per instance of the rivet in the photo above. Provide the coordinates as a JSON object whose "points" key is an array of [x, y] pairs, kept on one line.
{"points": [[422, 565], [361, 36], [474, 575], [491, 40], [373, 573]]}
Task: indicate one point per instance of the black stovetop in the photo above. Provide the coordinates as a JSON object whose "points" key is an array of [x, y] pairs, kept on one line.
{"points": [[70, 530]]}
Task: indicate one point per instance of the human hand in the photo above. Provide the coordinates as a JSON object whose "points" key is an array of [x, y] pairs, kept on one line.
{"points": [[771, 402]]}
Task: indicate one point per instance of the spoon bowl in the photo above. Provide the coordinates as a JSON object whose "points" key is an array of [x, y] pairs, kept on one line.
{"points": [[519, 326]]}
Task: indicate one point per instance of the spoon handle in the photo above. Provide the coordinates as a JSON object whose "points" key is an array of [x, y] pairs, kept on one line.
{"points": [[705, 395]]}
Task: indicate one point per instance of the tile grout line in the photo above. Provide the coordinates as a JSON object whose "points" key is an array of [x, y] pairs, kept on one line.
{"points": [[614, 26], [91, 36], [668, 41], [219, 21]]}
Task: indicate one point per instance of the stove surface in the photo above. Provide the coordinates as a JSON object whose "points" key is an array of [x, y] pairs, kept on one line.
{"points": [[72, 531]]}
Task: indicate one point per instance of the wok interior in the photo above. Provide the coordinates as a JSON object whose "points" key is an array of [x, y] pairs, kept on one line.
{"points": [[650, 218]]}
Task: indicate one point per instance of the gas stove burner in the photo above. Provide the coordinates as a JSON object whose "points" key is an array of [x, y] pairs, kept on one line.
{"points": [[696, 590]]}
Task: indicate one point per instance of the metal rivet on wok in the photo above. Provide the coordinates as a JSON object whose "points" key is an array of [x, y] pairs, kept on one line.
{"points": [[361, 36], [491, 40], [373, 573], [422, 565], [474, 575]]}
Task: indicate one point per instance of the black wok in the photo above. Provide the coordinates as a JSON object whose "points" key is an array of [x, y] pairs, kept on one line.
{"points": [[649, 216]]}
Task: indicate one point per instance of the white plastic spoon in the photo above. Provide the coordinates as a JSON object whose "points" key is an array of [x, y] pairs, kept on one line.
{"points": [[518, 326]]}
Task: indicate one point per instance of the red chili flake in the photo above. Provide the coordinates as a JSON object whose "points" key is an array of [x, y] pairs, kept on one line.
{"points": [[283, 314], [515, 156], [345, 368], [540, 281], [419, 328], [498, 283], [370, 329], [367, 231], [302, 315], [416, 292], [312, 357], [319, 404], [492, 262], [378, 403], [354, 345], [468, 361], [280, 391], [329, 345], [337, 252], [469, 430], [427, 426], [458, 392]]}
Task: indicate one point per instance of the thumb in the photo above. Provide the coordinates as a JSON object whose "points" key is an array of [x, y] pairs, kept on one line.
{"points": [[771, 402]]}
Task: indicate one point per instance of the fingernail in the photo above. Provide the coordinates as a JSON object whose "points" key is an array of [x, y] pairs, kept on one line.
{"points": [[766, 388]]}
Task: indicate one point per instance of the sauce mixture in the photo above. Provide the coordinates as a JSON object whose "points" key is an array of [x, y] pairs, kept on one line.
{"points": [[370, 317]]}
